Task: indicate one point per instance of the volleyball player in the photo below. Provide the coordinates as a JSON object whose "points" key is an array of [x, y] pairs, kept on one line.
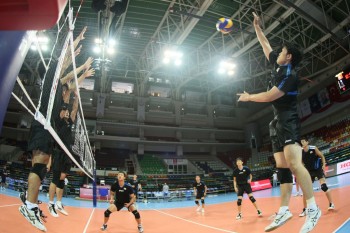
{"points": [[242, 177], [315, 163], [200, 191], [135, 184], [285, 128], [40, 144], [122, 195], [61, 163]]}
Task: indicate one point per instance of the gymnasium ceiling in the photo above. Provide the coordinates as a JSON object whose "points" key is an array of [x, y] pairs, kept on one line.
{"points": [[149, 27]]}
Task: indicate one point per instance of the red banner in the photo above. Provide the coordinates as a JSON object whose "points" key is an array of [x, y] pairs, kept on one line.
{"points": [[260, 185]]}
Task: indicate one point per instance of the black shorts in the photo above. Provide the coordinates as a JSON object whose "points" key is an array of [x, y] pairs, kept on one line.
{"points": [[120, 206], [317, 173], [199, 195], [284, 130], [244, 188], [60, 161], [40, 139]]}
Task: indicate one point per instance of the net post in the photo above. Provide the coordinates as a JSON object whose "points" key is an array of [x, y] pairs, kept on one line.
{"points": [[94, 189], [14, 46]]}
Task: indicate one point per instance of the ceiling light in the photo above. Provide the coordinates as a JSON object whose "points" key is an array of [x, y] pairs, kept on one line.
{"points": [[97, 49]]}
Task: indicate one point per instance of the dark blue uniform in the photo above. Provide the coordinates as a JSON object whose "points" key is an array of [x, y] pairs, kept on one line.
{"points": [[313, 163], [242, 177], [122, 194], [200, 187], [285, 127]]}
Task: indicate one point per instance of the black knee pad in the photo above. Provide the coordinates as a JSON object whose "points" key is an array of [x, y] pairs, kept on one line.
{"points": [[324, 187], [239, 202], [284, 175], [60, 184], [202, 201], [56, 177], [39, 169], [197, 202], [136, 214], [252, 199], [107, 213]]}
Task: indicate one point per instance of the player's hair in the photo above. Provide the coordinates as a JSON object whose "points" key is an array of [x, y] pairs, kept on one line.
{"points": [[239, 158], [294, 51], [124, 173]]}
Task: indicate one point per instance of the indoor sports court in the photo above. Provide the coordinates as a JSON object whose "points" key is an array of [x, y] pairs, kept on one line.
{"points": [[249, 96]]}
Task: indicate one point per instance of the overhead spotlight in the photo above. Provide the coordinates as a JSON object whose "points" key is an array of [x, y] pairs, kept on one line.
{"points": [[98, 41], [112, 42], [221, 71], [110, 50], [172, 56], [44, 47], [43, 39], [226, 67], [166, 60], [33, 47], [178, 62], [97, 49]]}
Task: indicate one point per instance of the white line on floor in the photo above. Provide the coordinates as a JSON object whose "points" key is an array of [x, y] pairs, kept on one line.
{"points": [[341, 225], [203, 225], [9, 205], [88, 222]]}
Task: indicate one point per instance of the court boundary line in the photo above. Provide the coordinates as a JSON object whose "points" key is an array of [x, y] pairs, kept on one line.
{"points": [[9, 205], [89, 220], [336, 230], [190, 221]]}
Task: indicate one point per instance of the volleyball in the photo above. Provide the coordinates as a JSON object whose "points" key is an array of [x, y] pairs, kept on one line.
{"points": [[224, 25]]}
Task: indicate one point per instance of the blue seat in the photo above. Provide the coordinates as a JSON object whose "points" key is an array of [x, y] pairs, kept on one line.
{"points": [[103, 193]]}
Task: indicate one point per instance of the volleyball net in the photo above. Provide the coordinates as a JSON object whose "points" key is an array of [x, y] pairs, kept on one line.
{"points": [[59, 108]]}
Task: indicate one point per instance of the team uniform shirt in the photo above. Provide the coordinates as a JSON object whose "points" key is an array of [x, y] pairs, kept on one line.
{"points": [[286, 80], [200, 187], [285, 127], [64, 129], [311, 160], [242, 176], [135, 185], [122, 194]]}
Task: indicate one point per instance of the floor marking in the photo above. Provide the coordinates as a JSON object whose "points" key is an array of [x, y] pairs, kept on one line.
{"points": [[341, 226], [9, 205], [203, 225], [88, 222]]}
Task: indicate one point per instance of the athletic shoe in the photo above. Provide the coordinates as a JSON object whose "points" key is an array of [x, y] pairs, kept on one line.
{"points": [[52, 210], [140, 229], [22, 196], [302, 214], [43, 217], [312, 217], [331, 206], [259, 213], [60, 208], [279, 220], [104, 227], [199, 209], [32, 216], [239, 216]]}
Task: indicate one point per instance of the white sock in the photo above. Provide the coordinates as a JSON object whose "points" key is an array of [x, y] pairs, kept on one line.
{"points": [[311, 203], [31, 205], [283, 209], [51, 202], [58, 203]]}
